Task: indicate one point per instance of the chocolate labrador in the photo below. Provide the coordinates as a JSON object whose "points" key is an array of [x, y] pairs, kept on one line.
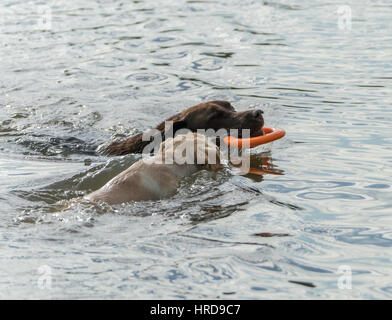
{"points": [[213, 115]]}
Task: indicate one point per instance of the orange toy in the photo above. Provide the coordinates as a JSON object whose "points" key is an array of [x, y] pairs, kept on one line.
{"points": [[270, 134]]}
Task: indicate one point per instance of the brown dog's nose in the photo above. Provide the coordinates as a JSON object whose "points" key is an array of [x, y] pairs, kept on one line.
{"points": [[257, 113]]}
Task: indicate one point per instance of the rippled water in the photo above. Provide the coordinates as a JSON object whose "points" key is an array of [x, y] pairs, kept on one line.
{"points": [[76, 74]]}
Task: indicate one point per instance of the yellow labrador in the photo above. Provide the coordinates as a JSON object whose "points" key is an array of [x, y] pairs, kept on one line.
{"points": [[159, 176]]}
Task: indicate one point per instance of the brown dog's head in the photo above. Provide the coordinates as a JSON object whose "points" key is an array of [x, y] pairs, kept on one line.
{"points": [[213, 115], [217, 115]]}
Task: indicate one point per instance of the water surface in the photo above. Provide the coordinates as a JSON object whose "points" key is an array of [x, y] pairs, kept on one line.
{"points": [[92, 71]]}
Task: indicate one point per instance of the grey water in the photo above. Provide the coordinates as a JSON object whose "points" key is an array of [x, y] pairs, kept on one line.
{"points": [[316, 224]]}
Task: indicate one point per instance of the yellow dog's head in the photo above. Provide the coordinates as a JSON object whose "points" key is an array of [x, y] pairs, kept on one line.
{"points": [[191, 148]]}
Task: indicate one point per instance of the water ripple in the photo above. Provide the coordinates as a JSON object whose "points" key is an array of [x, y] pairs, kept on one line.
{"points": [[146, 77], [327, 196], [207, 64]]}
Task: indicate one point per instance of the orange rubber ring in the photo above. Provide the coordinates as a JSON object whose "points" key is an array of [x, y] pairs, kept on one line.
{"points": [[270, 134]]}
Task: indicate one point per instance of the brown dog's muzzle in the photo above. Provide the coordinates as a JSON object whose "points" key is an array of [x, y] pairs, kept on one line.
{"points": [[252, 120]]}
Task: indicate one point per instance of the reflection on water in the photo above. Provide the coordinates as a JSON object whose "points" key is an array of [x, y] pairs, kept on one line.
{"points": [[314, 201]]}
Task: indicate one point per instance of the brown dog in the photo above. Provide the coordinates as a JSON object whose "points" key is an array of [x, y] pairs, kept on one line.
{"points": [[207, 115]]}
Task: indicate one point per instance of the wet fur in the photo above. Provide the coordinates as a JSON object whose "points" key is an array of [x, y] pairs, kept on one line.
{"points": [[154, 178]]}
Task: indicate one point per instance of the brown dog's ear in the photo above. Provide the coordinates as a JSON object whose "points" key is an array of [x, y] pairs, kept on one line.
{"points": [[179, 125]]}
